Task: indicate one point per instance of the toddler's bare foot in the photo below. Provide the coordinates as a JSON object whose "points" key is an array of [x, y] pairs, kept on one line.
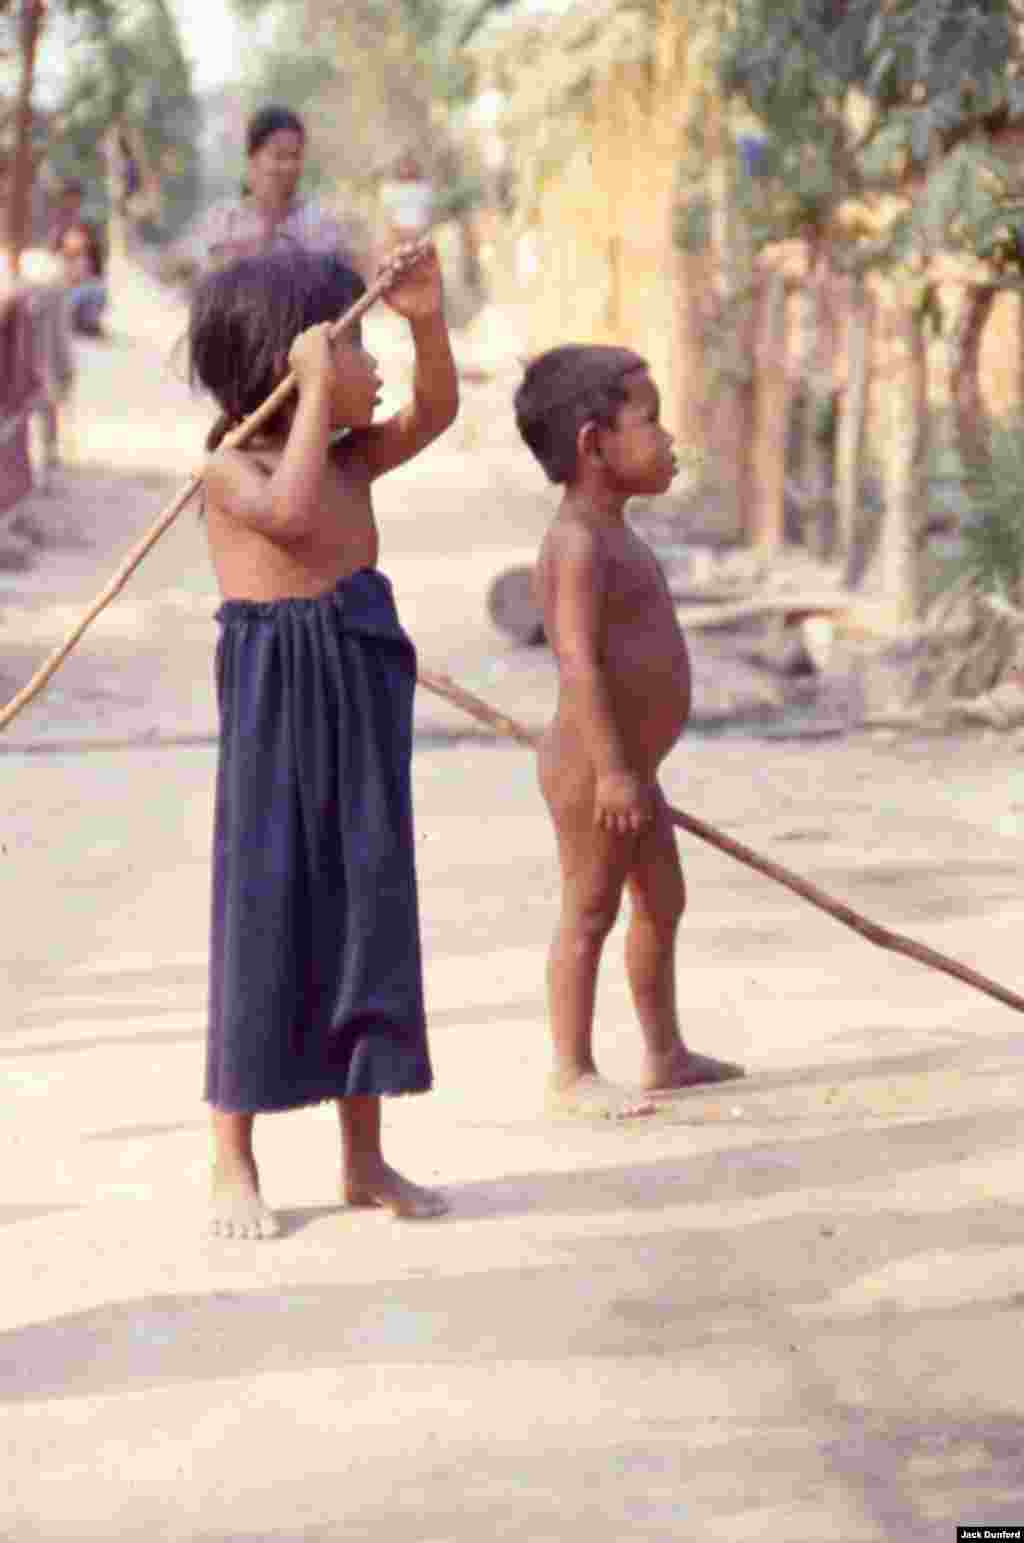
{"points": [[380, 1185], [590, 1097], [683, 1068], [236, 1205]]}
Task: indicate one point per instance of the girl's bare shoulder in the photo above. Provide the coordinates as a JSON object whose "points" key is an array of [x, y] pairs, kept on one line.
{"points": [[235, 480]]}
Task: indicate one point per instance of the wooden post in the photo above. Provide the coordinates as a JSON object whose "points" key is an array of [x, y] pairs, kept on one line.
{"points": [[730, 423], [771, 413], [814, 370], [689, 325], [22, 170], [732, 368], [905, 375], [852, 417], [113, 159], [683, 75], [968, 405]]}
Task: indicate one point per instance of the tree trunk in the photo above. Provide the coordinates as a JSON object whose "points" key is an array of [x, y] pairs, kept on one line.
{"points": [[898, 563], [113, 160], [731, 413], [471, 273], [690, 329], [771, 410], [730, 424], [852, 419], [30, 30], [972, 429], [814, 437]]}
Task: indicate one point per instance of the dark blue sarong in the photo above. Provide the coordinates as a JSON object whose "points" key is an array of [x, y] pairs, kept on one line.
{"points": [[316, 986]]}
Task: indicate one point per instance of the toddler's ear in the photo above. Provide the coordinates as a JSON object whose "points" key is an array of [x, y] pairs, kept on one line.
{"points": [[588, 442]]}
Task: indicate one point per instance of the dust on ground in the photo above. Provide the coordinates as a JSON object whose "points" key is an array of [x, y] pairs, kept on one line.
{"points": [[779, 1308]]}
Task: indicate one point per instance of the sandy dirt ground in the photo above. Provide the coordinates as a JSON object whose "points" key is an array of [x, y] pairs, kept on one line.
{"points": [[787, 1309]]}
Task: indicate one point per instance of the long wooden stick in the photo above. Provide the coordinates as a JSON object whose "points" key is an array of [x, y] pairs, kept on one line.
{"points": [[164, 521], [499, 722], [442, 686]]}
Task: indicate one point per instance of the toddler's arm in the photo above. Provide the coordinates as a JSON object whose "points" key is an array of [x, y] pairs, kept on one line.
{"points": [[580, 577], [418, 296]]}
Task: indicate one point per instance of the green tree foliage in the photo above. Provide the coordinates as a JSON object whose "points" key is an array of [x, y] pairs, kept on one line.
{"points": [[882, 125], [350, 67], [126, 66], [377, 76], [992, 535], [861, 98], [436, 29]]}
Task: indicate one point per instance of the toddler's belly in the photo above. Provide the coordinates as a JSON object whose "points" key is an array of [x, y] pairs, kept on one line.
{"points": [[650, 713], [651, 693]]}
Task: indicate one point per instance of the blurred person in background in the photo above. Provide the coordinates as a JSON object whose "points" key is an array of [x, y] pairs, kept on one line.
{"points": [[407, 202], [271, 213], [36, 361], [81, 254], [66, 212]]}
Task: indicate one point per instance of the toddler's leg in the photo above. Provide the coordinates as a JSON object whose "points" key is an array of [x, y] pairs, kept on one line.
{"points": [[367, 1179], [594, 867], [657, 893], [237, 1208]]}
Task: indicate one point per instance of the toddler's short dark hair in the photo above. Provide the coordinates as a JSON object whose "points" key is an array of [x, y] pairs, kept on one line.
{"points": [[245, 318], [562, 390]]}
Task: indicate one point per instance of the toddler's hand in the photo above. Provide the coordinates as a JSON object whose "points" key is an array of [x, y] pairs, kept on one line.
{"points": [[310, 355], [623, 803], [417, 290]]}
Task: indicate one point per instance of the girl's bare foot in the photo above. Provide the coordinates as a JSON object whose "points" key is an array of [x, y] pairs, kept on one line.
{"points": [[591, 1097], [683, 1068], [377, 1184], [236, 1205]]}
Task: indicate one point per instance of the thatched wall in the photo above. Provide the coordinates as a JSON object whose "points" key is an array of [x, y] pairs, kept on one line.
{"points": [[598, 105], [602, 228], [597, 180]]}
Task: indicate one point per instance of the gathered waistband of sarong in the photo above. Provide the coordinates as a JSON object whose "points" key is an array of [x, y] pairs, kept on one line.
{"points": [[362, 602]]}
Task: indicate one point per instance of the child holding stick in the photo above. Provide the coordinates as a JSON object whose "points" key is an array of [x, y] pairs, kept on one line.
{"points": [[590, 415], [315, 973]]}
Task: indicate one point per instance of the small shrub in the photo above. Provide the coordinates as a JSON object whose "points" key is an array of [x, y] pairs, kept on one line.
{"points": [[992, 531]]}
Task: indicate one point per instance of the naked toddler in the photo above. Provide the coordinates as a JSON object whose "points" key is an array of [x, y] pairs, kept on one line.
{"points": [[590, 415]]}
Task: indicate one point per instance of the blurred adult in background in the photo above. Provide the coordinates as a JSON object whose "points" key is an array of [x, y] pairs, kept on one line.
{"points": [[36, 362], [19, 376], [407, 201], [271, 212]]}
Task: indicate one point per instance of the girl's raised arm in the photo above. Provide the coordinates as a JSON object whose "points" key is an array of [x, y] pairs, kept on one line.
{"points": [[285, 504], [418, 296]]}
